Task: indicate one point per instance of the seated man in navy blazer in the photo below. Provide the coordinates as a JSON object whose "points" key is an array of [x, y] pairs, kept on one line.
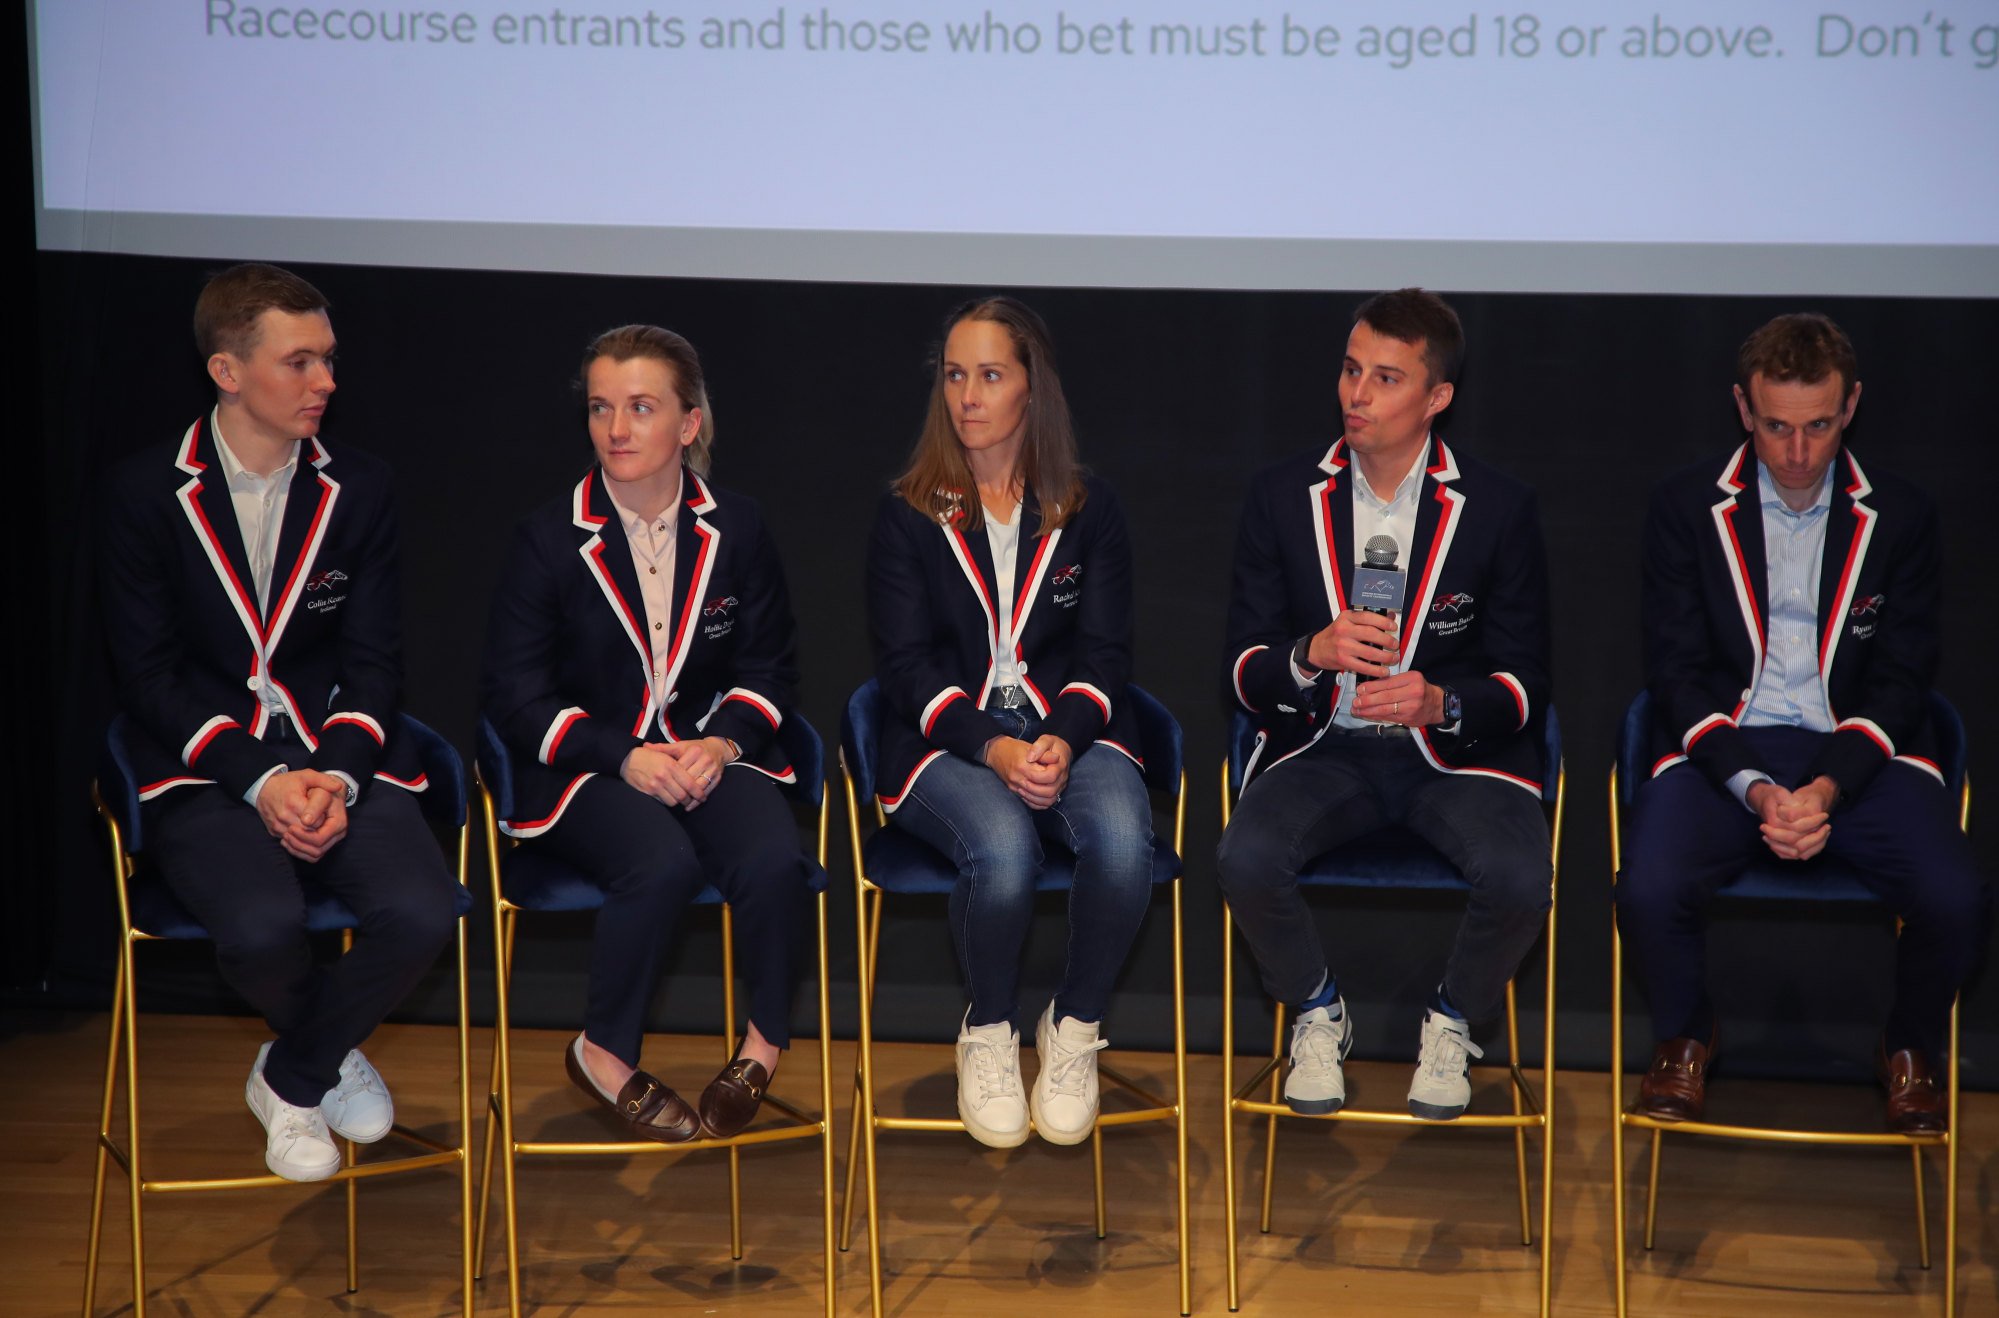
{"points": [[1791, 612], [252, 609], [1431, 718]]}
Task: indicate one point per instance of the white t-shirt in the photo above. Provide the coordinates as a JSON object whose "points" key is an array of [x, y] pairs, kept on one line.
{"points": [[1005, 541]]}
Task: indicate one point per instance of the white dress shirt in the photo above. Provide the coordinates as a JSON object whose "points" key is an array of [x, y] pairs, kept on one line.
{"points": [[654, 542]]}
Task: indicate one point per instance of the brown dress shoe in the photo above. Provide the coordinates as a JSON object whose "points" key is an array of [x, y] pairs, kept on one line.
{"points": [[648, 1108], [1675, 1088], [730, 1101], [1916, 1102]]}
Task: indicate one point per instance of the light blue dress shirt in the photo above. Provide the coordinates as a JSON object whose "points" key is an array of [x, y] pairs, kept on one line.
{"points": [[1790, 692]]}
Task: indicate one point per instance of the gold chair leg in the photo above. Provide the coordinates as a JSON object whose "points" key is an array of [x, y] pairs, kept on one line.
{"points": [[729, 1051], [1519, 1109], [1097, 1172], [1618, 1188], [1228, 1082], [486, 1157], [1652, 1191], [1548, 1083], [864, 1112], [103, 1134], [135, 1170], [503, 934], [826, 1094], [353, 1208], [1922, 1208], [1270, 1122], [1950, 1168], [1180, 1074], [465, 1278], [870, 916]]}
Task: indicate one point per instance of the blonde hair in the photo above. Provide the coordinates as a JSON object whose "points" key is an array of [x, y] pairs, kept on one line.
{"points": [[683, 368]]}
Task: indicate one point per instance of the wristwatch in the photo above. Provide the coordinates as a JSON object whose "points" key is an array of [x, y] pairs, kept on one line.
{"points": [[1454, 706], [1298, 657]]}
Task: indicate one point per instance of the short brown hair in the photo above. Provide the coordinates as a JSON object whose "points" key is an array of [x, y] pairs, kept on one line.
{"points": [[226, 313], [1803, 346], [1416, 315], [683, 368], [938, 481]]}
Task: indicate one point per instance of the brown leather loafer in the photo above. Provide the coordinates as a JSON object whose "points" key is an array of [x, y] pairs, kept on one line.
{"points": [[648, 1108], [1916, 1102], [730, 1101], [1675, 1088]]}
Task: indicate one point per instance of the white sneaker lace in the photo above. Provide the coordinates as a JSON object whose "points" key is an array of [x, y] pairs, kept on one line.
{"points": [[1315, 1047], [295, 1124], [996, 1079], [356, 1077], [1068, 1073], [1444, 1049]]}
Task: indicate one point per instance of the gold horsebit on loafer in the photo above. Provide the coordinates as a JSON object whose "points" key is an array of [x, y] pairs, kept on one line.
{"points": [[1668, 1064], [637, 1105]]}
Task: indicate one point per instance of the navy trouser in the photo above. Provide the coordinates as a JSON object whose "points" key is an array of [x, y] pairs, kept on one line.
{"points": [[995, 840], [651, 859], [212, 850], [1345, 787], [1686, 838]]}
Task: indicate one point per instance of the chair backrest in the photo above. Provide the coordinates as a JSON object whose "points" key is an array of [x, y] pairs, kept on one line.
{"points": [[796, 735], [1242, 741], [442, 801], [1634, 737], [1161, 744]]}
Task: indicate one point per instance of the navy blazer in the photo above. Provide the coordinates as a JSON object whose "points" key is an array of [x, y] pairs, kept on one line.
{"points": [[1476, 616], [931, 615], [568, 676], [190, 649], [1707, 602]]}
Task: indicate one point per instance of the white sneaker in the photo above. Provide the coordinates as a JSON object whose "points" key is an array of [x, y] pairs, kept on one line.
{"points": [[990, 1101], [297, 1144], [359, 1107], [1064, 1103], [1441, 1089], [1320, 1041]]}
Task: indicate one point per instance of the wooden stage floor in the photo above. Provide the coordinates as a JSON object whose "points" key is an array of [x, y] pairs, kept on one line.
{"points": [[1368, 1221]]}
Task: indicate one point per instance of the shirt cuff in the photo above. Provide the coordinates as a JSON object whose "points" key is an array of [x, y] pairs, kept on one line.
{"points": [[1740, 784], [250, 797], [353, 788]]}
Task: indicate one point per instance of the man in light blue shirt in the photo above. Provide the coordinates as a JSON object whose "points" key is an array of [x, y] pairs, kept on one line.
{"points": [[1791, 609]]}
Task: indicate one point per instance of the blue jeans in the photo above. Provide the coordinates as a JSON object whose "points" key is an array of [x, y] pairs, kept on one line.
{"points": [[1104, 820]]}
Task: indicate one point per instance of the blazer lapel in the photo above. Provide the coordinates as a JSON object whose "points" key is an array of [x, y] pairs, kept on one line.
{"points": [[608, 557], [1849, 530], [1439, 509], [696, 544], [204, 501], [1738, 521], [1332, 525], [308, 511]]}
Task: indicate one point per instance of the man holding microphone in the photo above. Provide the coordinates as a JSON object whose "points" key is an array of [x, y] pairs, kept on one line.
{"points": [[1388, 632]]}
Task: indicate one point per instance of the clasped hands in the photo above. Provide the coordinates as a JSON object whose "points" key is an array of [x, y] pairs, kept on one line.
{"points": [[305, 810], [680, 773], [1796, 823], [1365, 644], [1035, 771]]}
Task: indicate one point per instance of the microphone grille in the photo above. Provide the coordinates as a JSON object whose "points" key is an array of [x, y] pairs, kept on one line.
{"points": [[1381, 551]]}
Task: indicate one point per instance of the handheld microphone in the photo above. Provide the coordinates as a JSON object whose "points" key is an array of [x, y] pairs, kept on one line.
{"points": [[1379, 586]]}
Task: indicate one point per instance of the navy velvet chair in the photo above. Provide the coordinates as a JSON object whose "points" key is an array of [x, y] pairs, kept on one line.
{"points": [[147, 912], [1394, 859], [888, 860], [1823, 879], [526, 880]]}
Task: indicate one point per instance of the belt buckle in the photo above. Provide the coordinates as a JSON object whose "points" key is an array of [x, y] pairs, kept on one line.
{"points": [[1010, 697]]}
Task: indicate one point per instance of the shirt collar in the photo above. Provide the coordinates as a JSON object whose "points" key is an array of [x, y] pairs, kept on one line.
{"points": [[1766, 490], [636, 525], [1412, 480], [233, 471]]}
